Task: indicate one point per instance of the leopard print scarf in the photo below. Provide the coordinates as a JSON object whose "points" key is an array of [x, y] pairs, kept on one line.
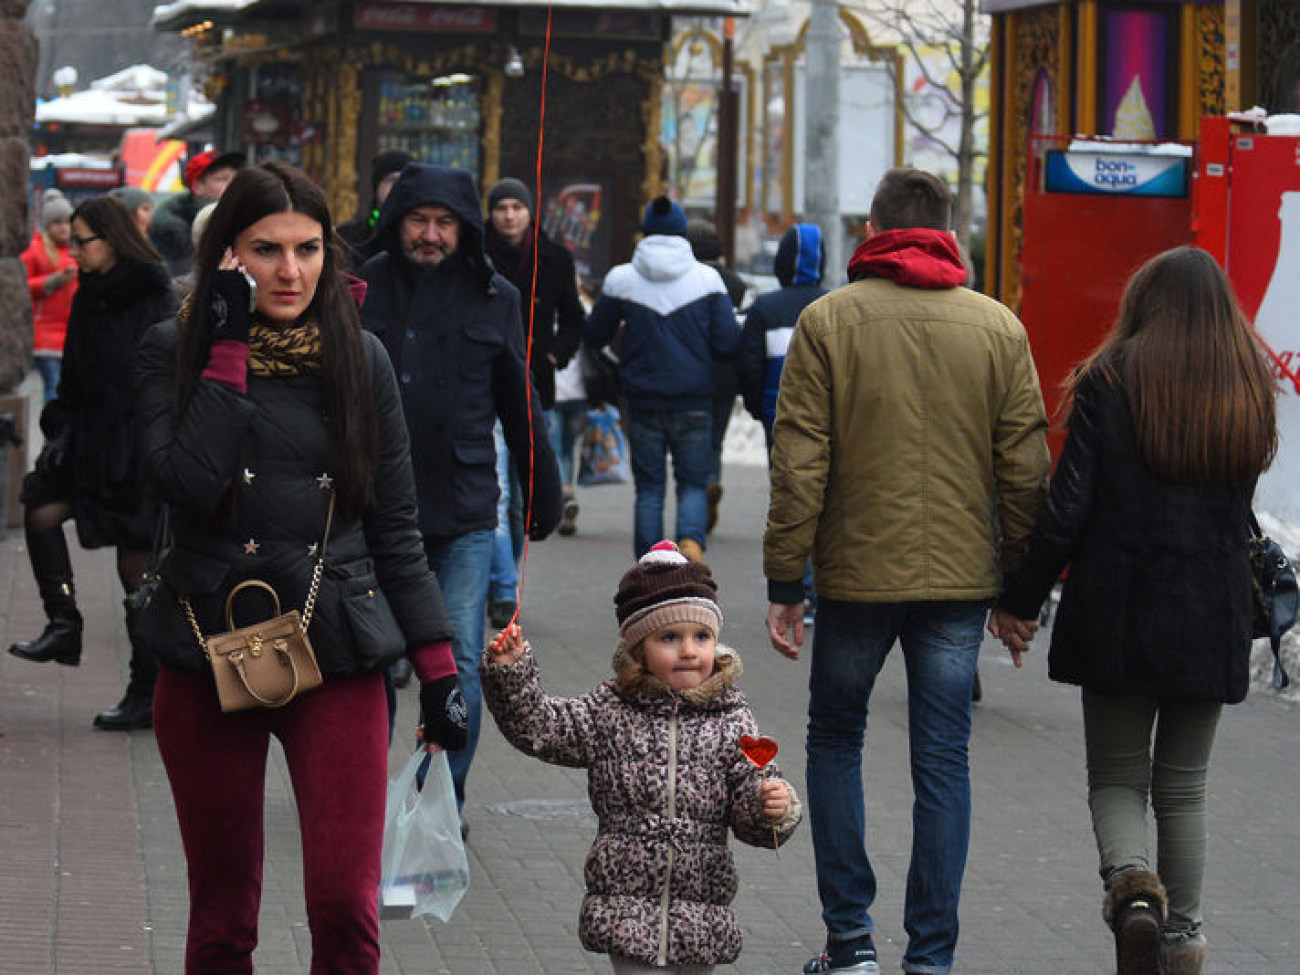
{"points": [[284, 350]]}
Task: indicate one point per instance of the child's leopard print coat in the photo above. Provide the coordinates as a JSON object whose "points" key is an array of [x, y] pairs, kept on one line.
{"points": [[666, 779]]}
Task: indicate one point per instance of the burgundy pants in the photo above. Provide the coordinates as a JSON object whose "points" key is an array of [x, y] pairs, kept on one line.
{"points": [[335, 741]]}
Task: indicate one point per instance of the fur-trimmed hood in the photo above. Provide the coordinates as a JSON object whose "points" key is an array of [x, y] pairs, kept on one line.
{"points": [[633, 682]]}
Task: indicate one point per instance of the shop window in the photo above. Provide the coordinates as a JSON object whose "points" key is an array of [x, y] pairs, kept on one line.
{"points": [[436, 120], [271, 121]]}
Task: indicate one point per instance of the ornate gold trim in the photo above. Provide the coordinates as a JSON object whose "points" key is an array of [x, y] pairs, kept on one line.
{"points": [[652, 118], [493, 103], [1212, 76], [786, 55]]}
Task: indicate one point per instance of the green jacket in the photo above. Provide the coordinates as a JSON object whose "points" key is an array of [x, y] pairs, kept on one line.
{"points": [[910, 450]]}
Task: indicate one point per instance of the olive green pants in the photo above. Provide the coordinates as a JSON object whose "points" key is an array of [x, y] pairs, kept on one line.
{"points": [[1127, 765]]}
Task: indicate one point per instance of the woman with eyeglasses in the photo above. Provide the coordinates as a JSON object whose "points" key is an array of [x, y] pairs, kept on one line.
{"points": [[87, 470]]}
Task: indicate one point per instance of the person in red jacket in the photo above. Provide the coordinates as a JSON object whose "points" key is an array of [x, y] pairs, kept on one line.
{"points": [[52, 281]]}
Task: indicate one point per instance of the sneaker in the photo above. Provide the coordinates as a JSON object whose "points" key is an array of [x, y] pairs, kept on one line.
{"points": [[569, 523], [856, 957]]}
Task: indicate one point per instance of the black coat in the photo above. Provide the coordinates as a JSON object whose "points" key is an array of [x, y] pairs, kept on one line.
{"points": [[247, 476], [93, 408], [558, 316], [1157, 602], [456, 342]]}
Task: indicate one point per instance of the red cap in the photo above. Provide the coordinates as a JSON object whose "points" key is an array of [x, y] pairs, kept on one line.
{"points": [[200, 164]]}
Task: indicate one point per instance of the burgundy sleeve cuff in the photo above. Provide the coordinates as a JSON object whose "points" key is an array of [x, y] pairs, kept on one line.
{"points": [[431, 661], [228, 364]]}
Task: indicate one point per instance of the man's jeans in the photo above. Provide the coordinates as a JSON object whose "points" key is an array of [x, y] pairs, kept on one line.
{"points": [[687, 434], [565, 424], [940, 643], [508, 540], [461, 565]]}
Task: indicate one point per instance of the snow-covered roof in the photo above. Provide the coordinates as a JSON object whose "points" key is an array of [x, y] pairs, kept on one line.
{"points": [[738, 8], [171, 14], [166, 12], [134, 96], [138, 77]]}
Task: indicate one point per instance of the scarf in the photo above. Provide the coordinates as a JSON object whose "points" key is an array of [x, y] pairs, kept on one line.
{"points": [[514, 262], [914, 257], [284, 350]]}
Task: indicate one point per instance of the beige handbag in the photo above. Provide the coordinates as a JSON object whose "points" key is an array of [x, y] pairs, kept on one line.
{"points": [[270, 663]]}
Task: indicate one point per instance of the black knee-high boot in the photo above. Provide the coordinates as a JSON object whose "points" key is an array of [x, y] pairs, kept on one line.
{"points": [[135, 710], [52, 565]]}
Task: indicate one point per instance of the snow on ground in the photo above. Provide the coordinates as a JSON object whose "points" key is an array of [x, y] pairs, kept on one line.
{"points": [[744, 444]]}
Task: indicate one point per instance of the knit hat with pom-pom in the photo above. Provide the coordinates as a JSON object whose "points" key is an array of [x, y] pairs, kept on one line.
{"points": [[662, 589], [663, 216]]}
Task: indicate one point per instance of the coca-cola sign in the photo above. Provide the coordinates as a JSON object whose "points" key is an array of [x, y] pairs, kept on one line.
{"points": [[424, 17]]}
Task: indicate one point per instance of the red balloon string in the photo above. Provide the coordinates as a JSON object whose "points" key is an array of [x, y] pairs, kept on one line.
{"points": [[532, 315]]}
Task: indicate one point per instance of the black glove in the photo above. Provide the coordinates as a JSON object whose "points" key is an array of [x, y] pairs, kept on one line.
{"points": [[234, 295], [445, 713], [53, 456]]}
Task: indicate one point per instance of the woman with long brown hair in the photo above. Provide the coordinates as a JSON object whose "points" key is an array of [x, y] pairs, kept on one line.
{"points": [[272, 427], [1171, 421], [87, 469]]}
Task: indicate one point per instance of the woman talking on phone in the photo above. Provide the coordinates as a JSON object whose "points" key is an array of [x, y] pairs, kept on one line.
{"points": [[271, 426]]}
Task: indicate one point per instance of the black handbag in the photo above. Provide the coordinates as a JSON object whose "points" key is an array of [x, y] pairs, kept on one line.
{"points": [[1277, 597]]}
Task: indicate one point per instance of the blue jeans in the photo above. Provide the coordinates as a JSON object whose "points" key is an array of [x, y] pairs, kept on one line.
{"points": [[461, 565], [566, 423], [508, 541], [941, 643], [49, 367], [687, 435]]}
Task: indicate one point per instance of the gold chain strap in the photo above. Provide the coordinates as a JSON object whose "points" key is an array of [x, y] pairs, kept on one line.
{"points": [[309, 607]]}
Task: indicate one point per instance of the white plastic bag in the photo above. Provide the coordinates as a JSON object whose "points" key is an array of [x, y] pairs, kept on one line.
{"points": [[425, 870]]}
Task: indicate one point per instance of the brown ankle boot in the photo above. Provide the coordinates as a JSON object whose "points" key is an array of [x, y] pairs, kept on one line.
{"points": [[1135, 910], [1182, 956]]}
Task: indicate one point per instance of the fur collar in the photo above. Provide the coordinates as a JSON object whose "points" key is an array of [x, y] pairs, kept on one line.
{"points": [[634, 682]]}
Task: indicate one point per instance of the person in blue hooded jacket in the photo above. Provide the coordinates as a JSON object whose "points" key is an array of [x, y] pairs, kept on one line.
{"points": [[452, 327], [799, 264], [677, 319]]}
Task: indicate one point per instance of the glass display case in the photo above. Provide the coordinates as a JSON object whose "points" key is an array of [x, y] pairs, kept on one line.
{"points": [[436, 120]]}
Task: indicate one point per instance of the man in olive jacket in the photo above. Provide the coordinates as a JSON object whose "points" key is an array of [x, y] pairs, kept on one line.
{"points": [[452, 328], [909, 460]]}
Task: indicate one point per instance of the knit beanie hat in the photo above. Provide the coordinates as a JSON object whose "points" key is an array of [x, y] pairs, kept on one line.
{"points": [[54, 207], [662, 589], [663, 216], [510, 189], [385, 164], [132, 197]]}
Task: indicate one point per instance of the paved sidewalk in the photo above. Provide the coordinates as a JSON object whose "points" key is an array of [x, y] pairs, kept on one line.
{"points": [[92, 878]]}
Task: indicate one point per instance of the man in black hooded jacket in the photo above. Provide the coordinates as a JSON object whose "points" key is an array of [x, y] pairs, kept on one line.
{"points": [[453, 330]]}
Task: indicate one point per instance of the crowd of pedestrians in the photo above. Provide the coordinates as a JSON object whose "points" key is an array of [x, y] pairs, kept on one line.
{"points": [[370, 418]]}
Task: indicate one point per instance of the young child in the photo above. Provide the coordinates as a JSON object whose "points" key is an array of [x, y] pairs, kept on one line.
{"points": [[666, 776]]}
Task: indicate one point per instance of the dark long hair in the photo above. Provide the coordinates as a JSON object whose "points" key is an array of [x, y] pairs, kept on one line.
{"points": [[1198, 387], [257, 192], [109, 218]]}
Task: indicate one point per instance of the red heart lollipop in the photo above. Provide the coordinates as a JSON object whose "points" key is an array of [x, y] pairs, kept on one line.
{"points": [[760, 751]]}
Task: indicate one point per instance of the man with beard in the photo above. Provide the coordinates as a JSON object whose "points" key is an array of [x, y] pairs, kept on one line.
{"points": [[452, 328]]}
